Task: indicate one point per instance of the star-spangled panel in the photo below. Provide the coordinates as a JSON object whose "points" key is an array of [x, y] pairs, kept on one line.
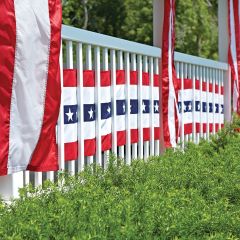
{"points": [[106, 110], [204, 107], [210, 107], [145, 106], [70, 114], [222, 108], [89, 112], [121, 107], [187, 106], [156, 106], [197, 106], [134, 106]]}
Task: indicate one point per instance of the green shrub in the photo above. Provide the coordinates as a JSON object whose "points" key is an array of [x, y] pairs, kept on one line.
{"points": [[190, 195]]}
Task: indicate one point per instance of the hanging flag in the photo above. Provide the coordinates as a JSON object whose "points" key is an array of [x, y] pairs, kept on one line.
{"points": [[168, 80], [30, 33], [234, 51]]}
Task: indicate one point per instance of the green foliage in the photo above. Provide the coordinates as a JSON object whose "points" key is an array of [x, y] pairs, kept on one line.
{"points": [[196, 22], [190, 195]]}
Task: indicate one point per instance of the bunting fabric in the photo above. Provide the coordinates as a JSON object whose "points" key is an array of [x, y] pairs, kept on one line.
{"points": [[209, 106], [234, 51], [30, 34], [89, 106], [169, 86]]}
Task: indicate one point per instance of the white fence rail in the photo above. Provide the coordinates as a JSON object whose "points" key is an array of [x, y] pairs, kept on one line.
{"points": [[84, 50]]}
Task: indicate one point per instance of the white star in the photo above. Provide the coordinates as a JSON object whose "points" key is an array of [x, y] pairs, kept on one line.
{"points": [[198, 106], [143, 107], [90, 113], [130, 108], [124, 107], [109, 109], [156, 107], [190, 106], [70, 115]]}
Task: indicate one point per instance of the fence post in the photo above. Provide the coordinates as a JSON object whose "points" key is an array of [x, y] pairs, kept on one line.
{"points": [[223, 40], [158, 15], [10, 184]]}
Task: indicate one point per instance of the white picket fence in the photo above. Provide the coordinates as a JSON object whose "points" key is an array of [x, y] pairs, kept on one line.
{"points": [[84, 50]]}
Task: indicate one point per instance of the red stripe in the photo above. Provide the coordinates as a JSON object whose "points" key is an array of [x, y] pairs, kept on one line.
{"points": [[106, 142], [156, 80], [134, 135], [187, 128], [145, 79], [146, 134], [89, 147], [88, 78], [121, 138], [105, 78], [7, 58], [69, 77], [133, 78], [120, 77], [71, 151], [156, 133], [44, 157]]}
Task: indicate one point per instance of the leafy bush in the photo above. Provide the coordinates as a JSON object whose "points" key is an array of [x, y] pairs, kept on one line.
{"points": [[190, 195]]}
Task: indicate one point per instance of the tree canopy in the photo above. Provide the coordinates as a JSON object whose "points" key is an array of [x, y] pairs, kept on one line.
{"points": [[196, 22]]}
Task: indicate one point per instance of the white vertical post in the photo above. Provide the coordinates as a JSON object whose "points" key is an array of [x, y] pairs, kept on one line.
{"points": [[120, 67], [60, 125], [105, 68], [193, 98], [151, 106], [89, 67], [98, 105], [37, 179], [208, 98], [182, 103], [80, 161], [223, 40], [69, 48], [189, 75], [213, 103], [127, 94], [114, 106], [10, 184], [140, 124], [146, 143], [133, 67], [158, 15], [157, 142]]}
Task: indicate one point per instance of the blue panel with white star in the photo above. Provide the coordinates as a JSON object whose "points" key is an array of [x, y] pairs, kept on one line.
{"points": [[145, 106], [106, 110], [70, 114], [156, 106], [89, 112], [134, 106], [121, 107]]}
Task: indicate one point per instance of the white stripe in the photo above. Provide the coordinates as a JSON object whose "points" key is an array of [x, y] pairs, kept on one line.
{"points": [[120, 92], [29, 80], [106, 126], [70, 133], [88, 95], [120, 123], [105, 94], [91, 132], [69, 95]]}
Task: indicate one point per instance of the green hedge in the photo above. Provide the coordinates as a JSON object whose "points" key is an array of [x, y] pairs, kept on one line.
{"points": [[190, 195]]}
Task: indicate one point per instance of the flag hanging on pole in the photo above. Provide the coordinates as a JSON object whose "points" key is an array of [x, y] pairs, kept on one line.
{"points": [[234, 51], [30, 33], [169, 86]]}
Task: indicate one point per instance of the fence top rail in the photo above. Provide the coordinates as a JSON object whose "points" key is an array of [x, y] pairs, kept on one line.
{"points": [[97, 39]]}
